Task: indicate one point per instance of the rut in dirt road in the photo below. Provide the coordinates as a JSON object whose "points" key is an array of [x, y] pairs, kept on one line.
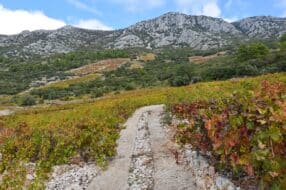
{"points": [[145, 159], [170, 173]]}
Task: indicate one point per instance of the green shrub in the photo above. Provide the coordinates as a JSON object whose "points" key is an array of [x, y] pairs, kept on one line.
{"points": [[180, 81], [283, 42], [97, 93], [283, 38], [252, 51], [27, 101]]}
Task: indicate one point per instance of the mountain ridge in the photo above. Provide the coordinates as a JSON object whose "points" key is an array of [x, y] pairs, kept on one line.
{"points": [[170, 29]]}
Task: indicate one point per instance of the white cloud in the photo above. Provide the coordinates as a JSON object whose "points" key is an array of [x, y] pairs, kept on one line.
{"points": [[139, 5], [211, 9], [187, 6], [80, 5], [199, 7], [15, 21], [92, 24]]}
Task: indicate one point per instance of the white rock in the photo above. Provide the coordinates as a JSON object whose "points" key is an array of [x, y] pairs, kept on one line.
{"points": [[30, 177]]}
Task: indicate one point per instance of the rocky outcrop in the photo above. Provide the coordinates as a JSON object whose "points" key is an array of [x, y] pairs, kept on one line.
{"points": [[263, 27], [44, 42], [175, 29], [171, 29]]}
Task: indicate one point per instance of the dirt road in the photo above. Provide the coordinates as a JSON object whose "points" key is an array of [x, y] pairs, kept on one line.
{"points": [[146, 158]]}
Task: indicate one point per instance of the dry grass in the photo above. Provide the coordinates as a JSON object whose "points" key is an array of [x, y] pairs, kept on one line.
{"points": [[68, 82], [100, 66], [147, 57], [203, 59], [5, 102], [136, 65]]}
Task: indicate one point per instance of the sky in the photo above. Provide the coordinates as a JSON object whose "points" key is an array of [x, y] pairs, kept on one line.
{"points": [[19, 15]]}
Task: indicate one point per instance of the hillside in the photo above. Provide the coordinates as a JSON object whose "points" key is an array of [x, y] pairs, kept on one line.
{"points": [[69, 77], [171, 29], [71, 133]]}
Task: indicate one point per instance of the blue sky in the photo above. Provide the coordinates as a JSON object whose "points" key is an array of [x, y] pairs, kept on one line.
{"points": [[18, 15]]}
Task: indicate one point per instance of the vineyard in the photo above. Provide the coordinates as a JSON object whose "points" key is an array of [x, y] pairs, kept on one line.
{"points": [[100, 66], [66, 83], [55, 135], [245, 133]]}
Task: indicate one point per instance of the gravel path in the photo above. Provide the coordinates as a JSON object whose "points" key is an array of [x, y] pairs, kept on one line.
{"points": [[170, 171], [116, 176], [147, 159]]}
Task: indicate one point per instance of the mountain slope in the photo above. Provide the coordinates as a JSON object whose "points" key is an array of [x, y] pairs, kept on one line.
{"points": [[262, 27], [171, 29], [44, 42], [177, 29]]}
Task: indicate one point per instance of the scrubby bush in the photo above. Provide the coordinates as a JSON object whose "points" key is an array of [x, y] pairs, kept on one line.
{"points": [[283, 38], [283, 42], [252, 51], [180, 81], [27, 101], [97, 93]]}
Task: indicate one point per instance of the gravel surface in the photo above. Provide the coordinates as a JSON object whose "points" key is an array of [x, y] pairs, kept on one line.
{"points": [[142, 168], [6, 112], [116, 176], [171, 172], [72, 177], [204, 175], [147, 158]]}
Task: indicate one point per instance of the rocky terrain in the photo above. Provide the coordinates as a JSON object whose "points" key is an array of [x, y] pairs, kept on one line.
{"points": [[72, 177], [44, 42], [171, 29], [263, 27], [6, 112]]}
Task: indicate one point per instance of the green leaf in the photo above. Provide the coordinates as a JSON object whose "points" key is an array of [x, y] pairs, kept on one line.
{"points": [[250, 125], [275, 134], [261, 155]]}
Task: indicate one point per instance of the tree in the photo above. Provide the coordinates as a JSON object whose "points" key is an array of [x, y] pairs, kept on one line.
{"points": [[180, 81], [283, 38], [283, 42], [252, 51], [28, 101]]}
